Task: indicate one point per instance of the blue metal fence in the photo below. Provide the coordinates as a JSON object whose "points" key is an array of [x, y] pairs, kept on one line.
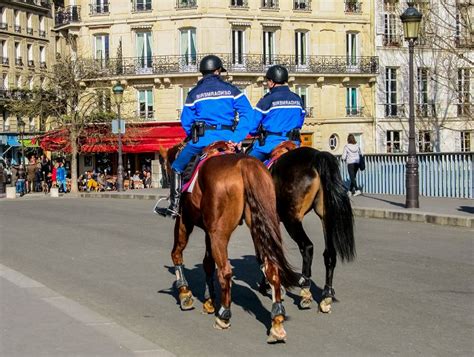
{"points": [[441, 174]]}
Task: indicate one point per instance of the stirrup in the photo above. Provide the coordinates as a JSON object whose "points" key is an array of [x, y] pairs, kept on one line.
{"points": [[156, 209]]}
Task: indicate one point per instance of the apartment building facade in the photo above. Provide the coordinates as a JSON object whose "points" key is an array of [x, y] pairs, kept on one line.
{"points": [[26, 53], [153, 48], [443, 68]]}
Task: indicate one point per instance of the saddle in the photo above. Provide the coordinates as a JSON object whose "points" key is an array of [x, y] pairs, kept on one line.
{"points": [[278, 151], [190, 174]]}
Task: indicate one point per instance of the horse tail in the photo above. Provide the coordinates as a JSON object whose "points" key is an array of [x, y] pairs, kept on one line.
{"points": [[265, 225], [338, 218]]}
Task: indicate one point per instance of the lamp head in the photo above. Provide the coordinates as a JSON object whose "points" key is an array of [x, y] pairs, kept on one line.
{"points": [[118, 93], [411, 19]]}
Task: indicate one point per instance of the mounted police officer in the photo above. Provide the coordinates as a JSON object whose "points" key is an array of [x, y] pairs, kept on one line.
{"points": [[208, 116], [278, 116]]}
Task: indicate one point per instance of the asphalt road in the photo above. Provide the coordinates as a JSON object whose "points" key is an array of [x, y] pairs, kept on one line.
{"points": [[410, 291]]}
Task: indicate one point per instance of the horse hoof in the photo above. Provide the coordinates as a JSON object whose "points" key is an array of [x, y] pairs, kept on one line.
{"points": [[208, 307], [306, 299], [277, 334], [186, 300], [325, 305], [221, 324]]}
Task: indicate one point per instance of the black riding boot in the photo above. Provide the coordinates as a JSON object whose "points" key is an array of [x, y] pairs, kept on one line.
{"points": [[175, 194]]}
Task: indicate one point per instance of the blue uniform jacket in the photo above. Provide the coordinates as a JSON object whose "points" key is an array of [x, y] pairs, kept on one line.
{"points": [[215, 102], [279, 111]]}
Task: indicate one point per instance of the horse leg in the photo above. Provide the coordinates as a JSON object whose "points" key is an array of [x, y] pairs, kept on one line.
{"points": [[278, 314], [181, 237], [210, 268], [296, 231]]}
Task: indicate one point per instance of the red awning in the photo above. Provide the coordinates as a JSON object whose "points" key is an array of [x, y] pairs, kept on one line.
{"points": [[141, 137]]}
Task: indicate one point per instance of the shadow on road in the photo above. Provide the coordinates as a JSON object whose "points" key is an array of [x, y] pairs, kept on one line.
{"points": [[467, 209]]}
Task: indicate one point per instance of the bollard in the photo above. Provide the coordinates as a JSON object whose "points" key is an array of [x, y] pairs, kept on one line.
{"points": [[11, 192], [54, 192]]}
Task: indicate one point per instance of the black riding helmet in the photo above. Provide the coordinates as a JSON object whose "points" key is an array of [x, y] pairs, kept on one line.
{"points": [[277, 74], [210, 63]]}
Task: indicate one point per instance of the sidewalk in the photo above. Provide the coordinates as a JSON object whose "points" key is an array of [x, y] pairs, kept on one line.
{"points": [[443, 211], [36, 321]]}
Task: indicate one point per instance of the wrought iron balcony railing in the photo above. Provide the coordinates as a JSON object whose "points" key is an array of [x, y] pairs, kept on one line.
{"points": [[309, 112], [69, 14], [352, 7], [43, 3], [42, 33], [142, 5], [257, 64], [43, 65], [29, 30], [302, 5], [354, 111], [146, 114], [392, 40], [3, 26], [31, 63], [425, 110], [18, 61], [394, 110], [465, 109], [186, 4], [4, 61], [269, 4], [17, 28], [241, 4], [99, 9]]}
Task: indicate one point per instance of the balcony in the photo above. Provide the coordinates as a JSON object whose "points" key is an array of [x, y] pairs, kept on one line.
{"points": [[239, 4], [42, 33], [352, 7], [3, 26], [68, 15], [36, 4], [17, 28], [425, 110], [245, 64], [392, 40], [269, 5], [43, 65], [394, 110], [354, 111], [186, 4], [100, 9], [302, 5], [31, 63], [4, 61], [18, 62]]}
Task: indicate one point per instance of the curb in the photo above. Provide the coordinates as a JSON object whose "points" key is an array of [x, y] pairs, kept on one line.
{"points": [[396, 215]]}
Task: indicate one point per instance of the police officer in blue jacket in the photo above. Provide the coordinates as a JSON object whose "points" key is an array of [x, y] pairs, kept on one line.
{"points": [[278, 116], [208, 116]]}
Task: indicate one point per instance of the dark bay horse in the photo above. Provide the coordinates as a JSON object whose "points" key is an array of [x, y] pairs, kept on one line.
{"points": [[231, 188], [305, 180]]}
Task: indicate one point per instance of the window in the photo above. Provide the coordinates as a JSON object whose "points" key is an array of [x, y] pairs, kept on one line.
{"points": [[31, 124], [18, 81], [101, 50], [6, 120], [333, 141], [184, 94], [142, 5], [3, 19], [41, 23], [3, 52], [301, 48], [423, 108], [391, 36], [188, 46], [302, 91], [103, 100], [145, 103], [424, 141], [464, 91], [31, 83], [465, 141], [18, 60], [268, 47], [352, 48], [29, 24], [100, 7], [16, 14], [270, 4], [5, 80], [238, 47], [42, 55], [302, 5], [29, 48], [144, 51], [391, 108], [352, 108], [238, 3], [393, 141]]}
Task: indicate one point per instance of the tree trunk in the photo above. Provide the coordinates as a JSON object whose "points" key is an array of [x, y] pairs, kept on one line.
{"points": [[73, 139]]}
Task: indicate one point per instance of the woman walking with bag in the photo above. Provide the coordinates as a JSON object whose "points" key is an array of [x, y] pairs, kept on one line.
{"points": [[352, 155]]}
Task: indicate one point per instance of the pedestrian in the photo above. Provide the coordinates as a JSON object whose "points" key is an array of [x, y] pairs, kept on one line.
{"points": [[61, 177], [208, 116], [38, 177], [3, 179], [20, 183], [30, 175], [54, 178], [279, 115], [351, 154]]}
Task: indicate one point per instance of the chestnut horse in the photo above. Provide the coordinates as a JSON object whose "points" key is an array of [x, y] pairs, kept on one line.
{"points": [[231, 188], [307, 179]]}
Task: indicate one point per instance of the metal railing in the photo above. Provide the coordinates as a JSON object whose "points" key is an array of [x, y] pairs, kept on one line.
{"points": [[42, 33], [465, 109], [186, 4], [392, 40], [440, 174], [269, 4], [68, 15], [18, 61], [29, 30], [425, 110], [43, 65], [99, 9], [394, 110], [4, 61], [165, 65], [352, 7], [17, 28], [302, 5], [3, 25], [239, 4], [31, 63], [354, 111]]}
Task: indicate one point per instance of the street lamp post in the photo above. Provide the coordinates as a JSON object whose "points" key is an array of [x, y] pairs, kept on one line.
{"points": [[118, 96], [411, 19]]}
